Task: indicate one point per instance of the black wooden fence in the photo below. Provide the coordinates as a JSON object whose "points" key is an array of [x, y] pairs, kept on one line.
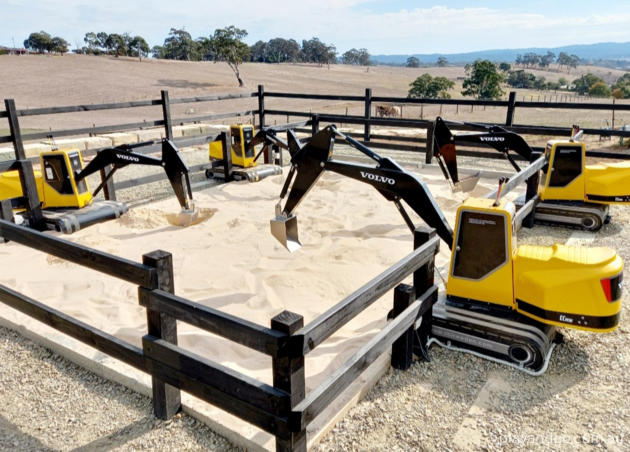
{"points": [[284, 409], [418, 144]]}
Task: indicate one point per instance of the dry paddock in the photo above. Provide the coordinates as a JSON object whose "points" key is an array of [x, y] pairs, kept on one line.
{"points": [[456, 401]]}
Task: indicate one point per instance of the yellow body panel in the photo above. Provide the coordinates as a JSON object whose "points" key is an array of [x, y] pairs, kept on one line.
{"points": [[495, 287], [566, 280], [10, 186], [558, 285], [574, 191], [601, 184], [238, 143], [610, 180]]}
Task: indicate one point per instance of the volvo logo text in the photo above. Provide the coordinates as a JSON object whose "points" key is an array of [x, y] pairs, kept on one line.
{"points": [[127, 157], [377, 178]]}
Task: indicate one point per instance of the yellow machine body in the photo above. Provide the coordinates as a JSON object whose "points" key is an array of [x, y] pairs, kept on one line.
{"points": [[482, 272], [568, 178], [565, 286], [240, 136], [56, 185], [559, 285], [608, 183]]}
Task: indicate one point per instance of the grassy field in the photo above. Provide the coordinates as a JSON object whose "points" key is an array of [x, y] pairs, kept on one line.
{"points": [[46, 80]]}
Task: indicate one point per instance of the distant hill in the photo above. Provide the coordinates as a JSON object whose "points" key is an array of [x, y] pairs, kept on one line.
{"points": [[589, 52]]}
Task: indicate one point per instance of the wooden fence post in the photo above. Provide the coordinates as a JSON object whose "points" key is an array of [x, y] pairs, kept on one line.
{"points": [[227, 156], [6, 214], [423, 279], [166, 398], [109, 192], [402, 348], [29, 189], [429, 144], [14, 127], [509, 118], [261, 107], [314, 124], [368, 113], [166, 111], [25, 169], [288, 375]]}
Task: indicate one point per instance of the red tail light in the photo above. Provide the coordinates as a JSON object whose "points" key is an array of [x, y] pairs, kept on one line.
{"points": [[612, 288], [606, 287]]}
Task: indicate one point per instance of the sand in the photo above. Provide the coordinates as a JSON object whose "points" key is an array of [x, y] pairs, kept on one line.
{"points": [[228, 260]]}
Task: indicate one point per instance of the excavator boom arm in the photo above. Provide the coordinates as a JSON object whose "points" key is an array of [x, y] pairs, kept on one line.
{"points": [[121, 156], [388, 178], [496, 137]]}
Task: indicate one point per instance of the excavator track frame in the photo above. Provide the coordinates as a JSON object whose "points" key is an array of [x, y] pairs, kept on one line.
{"points": [[506, 337]]}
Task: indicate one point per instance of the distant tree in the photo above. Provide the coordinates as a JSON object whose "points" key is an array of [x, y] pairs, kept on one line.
{"points": [[258, 52], [531, 59], [442, 61], [179, 45], [205, 51], [59, 45], [584, 83], [622, 86], [552, 85], [521, 79], [158, 52], [568, 61], [540, 83], [93, 44], [315, 51], [359, 57], [42, 42], [547, 59], [139, 47], [563, 82], [228, 46], [484, 80], [101, 37], [519, 60], [599, 89], [39, 42], [412, 61], [116, 44], [505, 67], [426, 86]]}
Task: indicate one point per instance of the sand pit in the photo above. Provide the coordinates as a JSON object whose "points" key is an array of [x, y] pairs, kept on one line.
{"points": [[228, 260]]}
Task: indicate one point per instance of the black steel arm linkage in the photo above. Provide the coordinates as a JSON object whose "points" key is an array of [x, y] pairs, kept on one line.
{"points": [[121, 156], [496, 137], [388, 178]]}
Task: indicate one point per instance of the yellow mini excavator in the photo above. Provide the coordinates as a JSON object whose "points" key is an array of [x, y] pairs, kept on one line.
{"points": [[243, 144], [63, 189], [571, 193], [502, 301]]}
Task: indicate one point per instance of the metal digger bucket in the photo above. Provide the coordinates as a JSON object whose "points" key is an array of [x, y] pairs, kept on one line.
{"points": [[285, 230], [467, 184]]}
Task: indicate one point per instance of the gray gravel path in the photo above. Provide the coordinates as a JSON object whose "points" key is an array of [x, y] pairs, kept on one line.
{"points": [[49, 403]]}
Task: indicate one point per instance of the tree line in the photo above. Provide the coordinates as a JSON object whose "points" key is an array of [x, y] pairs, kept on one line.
{"points": [[532, 59], [42, 42], [485, 80]]}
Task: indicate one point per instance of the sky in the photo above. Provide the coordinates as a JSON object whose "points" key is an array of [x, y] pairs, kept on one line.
{"points": [[382, 27]]}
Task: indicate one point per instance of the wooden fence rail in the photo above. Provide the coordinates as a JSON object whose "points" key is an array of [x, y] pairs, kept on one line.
{"points": [[284, 409]]}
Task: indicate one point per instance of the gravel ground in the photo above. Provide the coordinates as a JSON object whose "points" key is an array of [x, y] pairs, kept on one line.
{"points": [[49, 403], [455, 402]]}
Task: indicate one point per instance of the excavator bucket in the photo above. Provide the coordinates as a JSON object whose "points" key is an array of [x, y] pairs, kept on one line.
{"points": [[285, 230], [446, 155], [177, 173]]}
